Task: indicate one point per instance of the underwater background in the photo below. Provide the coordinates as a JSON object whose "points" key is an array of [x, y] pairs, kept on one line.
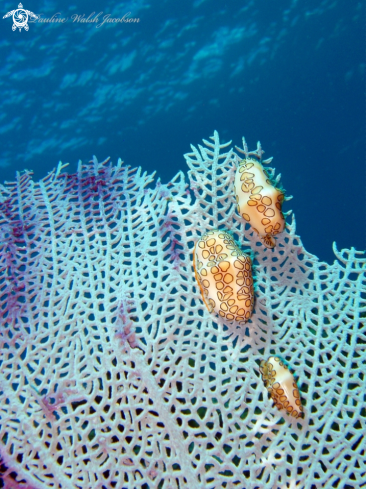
{"points": [[289, 73]]}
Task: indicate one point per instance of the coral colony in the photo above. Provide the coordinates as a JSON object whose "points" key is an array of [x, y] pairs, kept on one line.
{"points": [[175, 335]]}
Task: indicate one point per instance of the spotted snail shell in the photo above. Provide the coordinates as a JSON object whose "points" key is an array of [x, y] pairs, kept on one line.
{"points": [[281, 386], [224, 275], [258, 201]]}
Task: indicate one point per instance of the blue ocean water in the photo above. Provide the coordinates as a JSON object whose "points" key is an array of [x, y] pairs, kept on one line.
{"points": [[290, 74]]}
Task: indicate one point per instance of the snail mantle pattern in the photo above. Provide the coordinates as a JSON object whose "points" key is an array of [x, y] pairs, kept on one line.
{"points": [[259, 202], [281, 386], [224, 275]]}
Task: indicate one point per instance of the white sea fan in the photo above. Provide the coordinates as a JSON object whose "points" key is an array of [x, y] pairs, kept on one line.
{"points": [[114, 374]]}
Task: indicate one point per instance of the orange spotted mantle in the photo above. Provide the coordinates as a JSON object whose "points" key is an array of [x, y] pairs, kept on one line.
{"points": [[224, 275], [258, 201], [282, 387]]}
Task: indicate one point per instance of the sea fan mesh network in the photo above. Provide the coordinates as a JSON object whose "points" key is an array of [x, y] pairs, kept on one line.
{"points": [[114, 374]]}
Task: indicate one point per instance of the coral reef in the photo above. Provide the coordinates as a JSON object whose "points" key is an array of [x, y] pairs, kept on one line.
{"points": [[114, 373]]}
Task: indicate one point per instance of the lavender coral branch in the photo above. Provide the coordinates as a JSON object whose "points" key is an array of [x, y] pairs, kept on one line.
{"points": [[114, 374]]}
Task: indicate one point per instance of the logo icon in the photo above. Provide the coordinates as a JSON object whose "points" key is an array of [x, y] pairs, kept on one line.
{"points": [[20, 17]]}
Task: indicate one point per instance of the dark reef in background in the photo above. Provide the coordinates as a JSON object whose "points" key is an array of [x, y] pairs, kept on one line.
{"points": [[287, 73]]}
